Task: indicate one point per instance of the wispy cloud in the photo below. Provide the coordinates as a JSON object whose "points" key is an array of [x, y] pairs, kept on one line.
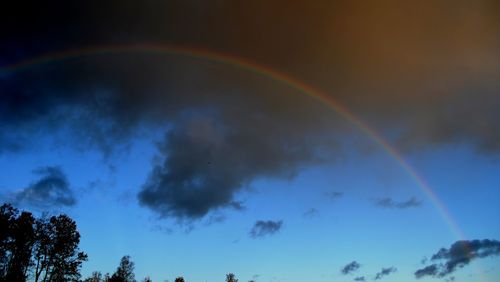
{"points": [[384, 272], [391, 204], [333, 195], [264, 228], [312, 212]]}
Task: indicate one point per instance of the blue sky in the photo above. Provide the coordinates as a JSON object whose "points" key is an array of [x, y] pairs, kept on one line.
{"points": [[349, 227]]}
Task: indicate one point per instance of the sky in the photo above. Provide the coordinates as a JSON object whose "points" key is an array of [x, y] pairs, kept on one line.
{"points": [[278, 140]]}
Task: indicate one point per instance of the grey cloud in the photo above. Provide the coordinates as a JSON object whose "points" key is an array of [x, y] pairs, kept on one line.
{"points": [[206, 161], [264, 228], [350, 267], [360, 279], [51, 190], [460, 254], [384, 272], [390, 203]]}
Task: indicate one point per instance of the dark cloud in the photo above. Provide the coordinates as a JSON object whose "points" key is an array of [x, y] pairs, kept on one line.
{"points": [[51, 190], [350, 267], [428, 77], [334, 195], [390, 203], [207, 161], [430, 270], [384, 272], [264, 228], [360, 279], [460, 254]]}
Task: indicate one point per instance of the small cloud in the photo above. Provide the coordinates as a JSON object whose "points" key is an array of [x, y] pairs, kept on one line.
{"points": [[360, 279], [334, 195], [216, 218], [310, 212], [263, 228], [237, 205], [460, 254], [51, 190], [391, 204], [385, 272], [350, 267]]}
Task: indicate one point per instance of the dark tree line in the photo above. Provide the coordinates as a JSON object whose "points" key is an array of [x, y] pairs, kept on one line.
{"points": [[45, 249], [125, 273]]}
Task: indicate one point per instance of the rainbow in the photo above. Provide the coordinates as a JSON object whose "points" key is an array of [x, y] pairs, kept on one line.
{"points": [[262, 70]]}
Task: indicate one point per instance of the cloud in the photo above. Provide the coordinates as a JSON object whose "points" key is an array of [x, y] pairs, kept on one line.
{"points": [[237, 205], [206, 162], [311, 212], [460, 254], [390, 203], [264, 228], [225, 126], [360, 279], [51, 190], [385, 272], [350, 267], [333, 195]]}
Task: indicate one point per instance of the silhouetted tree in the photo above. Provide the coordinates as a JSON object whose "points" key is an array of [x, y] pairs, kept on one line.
{"points": [[8, 215], [95, 277], [231, 278], [48, 248], [23, 238], [147, 279], [56, 254], [125, 271], [179, 279], [16, 243]]}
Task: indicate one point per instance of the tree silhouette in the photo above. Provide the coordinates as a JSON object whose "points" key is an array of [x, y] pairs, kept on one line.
{"points": [[23, 236], [179, 279], [147, 279], [46, 247], [95, 277], [231, 278], [16, 242], [57, 257], [125, 271]]}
